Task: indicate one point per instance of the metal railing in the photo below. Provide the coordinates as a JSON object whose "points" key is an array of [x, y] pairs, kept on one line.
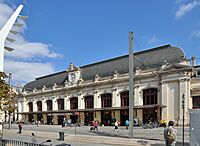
{"points": [[6, 142]]}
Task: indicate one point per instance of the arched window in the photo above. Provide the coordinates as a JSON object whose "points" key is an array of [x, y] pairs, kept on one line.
{"points": [[124, 98], [49, 105], [74, 103], [39, 106], [150, 96], [30, 106], [89, 102], [60, 104], [106, 100]]}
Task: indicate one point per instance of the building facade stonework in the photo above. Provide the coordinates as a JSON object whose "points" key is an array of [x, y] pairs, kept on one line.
{"points": [[99, 91]]}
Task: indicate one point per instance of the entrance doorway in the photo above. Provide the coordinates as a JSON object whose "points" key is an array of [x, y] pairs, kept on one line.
{"points": [[149, 114], [39, 117], [124, 115], [74, 118], [106, 118], [89, 117], [30, 118], [60, 119], [49, 120]]}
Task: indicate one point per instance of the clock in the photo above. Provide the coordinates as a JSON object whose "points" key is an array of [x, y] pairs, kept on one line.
{"points": [[72, 77]]}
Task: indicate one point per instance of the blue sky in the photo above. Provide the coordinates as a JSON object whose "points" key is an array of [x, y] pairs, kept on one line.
{"points": [[58, 32]]}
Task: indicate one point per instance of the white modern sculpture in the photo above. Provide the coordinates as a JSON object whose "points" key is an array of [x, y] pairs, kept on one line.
{"points": [[4, 33]]}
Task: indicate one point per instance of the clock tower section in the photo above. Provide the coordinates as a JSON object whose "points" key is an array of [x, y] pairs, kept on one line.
{"points": [[74, 74]]}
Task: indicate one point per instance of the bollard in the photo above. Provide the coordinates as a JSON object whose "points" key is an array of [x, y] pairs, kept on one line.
{"points": [[61, 134]]}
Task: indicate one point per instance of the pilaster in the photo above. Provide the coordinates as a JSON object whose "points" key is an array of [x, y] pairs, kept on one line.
{"points": [[114, 97], [54, 104], [183, 89], [34, 105], [164, 96], [44, 104]]}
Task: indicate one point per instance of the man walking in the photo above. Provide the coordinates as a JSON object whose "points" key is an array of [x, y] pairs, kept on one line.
{"points": [[20, 127], [170, 134]]}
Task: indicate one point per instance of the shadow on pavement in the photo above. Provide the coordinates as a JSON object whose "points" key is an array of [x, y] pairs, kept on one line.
{"points": [[142, 142], [108, 134], [63, 144]]}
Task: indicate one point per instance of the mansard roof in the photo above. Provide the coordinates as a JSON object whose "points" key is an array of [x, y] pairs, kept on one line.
{"points": [[153, 58]]}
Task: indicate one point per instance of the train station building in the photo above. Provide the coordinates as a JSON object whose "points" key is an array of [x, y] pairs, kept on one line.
{"points": [[100, 91]]}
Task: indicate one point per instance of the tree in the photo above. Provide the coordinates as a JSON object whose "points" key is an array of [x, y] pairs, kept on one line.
{"points": [[7, 95]]}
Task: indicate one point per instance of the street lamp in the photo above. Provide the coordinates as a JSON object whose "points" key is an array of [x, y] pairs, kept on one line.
{"points": [[183, 107]]}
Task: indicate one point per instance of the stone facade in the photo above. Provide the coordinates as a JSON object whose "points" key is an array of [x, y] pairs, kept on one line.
{"points": [[167, 82]]}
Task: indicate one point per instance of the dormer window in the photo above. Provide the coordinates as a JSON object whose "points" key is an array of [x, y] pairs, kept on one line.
{"points": [[198, 73]]}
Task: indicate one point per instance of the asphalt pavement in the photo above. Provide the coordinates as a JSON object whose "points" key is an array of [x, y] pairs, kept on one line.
{"points": [[82, 136]]}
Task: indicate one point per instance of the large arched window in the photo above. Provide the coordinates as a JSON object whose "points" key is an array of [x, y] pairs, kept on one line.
{"points": [[124, 98], [74, 103], [39, 106], [60, 104], [106, 100], [150, 96], [89, 102], [30, 106], [49, 105]]}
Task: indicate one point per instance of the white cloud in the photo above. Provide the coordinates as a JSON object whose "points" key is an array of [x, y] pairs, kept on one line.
{"points": [[153, 40], [23, 72], [5, 12], [185, 8], [29, 59], [29, 50], [196, 34]]}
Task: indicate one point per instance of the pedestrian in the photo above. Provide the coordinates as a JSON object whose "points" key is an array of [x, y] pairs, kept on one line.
{"points": [[127, 124], [116, 126], [34, 138], [170, 134], [20, 127], [96, 125]]}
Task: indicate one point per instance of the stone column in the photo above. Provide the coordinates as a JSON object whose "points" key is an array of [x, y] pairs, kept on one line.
{"points": [[65, 103]]}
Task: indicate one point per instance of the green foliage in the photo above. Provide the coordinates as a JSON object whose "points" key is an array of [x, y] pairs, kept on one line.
{"points": [[7, 102]]}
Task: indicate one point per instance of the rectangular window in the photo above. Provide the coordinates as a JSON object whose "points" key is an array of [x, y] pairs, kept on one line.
{"points": [[30, 104], [196, 101], [60, 104], [39, 105], [49, 105]]}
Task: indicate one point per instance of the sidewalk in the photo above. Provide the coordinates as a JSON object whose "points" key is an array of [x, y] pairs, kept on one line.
{"points": [[93, 139]]}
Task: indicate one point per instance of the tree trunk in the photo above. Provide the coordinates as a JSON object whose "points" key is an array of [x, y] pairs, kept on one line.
{"points": [[9, 120]]}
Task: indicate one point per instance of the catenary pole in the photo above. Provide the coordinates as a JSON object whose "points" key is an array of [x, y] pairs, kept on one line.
{"points": [[131, 101]]}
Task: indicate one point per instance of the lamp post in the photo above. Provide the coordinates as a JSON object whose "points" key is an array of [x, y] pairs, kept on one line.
{"points": [[131, 100], [4, 33], [183, 107]]}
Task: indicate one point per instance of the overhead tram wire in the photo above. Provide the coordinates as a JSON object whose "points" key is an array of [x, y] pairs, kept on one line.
{"points": [[139, 60]]}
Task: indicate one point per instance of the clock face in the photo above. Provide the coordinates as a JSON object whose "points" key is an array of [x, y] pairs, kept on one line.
{"points": [[72, 77]]}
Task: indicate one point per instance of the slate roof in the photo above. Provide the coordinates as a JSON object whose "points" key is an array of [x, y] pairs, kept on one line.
{"points": [[153, 58]]}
